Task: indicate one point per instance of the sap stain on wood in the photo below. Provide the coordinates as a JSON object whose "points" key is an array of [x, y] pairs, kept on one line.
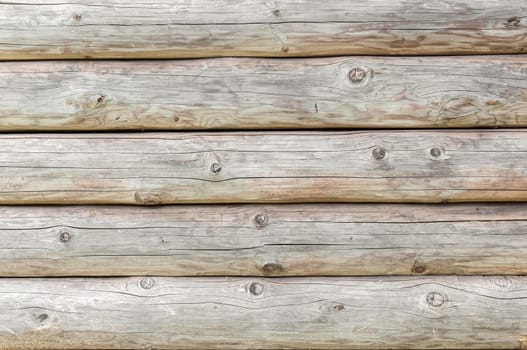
{"points": [[164, 29], [239, 93], [275, 240], [166, 168], [323, 313]]}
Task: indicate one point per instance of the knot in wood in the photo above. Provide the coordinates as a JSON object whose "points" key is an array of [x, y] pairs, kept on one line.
{"points": [[272, 268], [339, 307], [148, 198], [101, 98], [436, 152], [42, 317], [65, 236], [215, 168], [261, 219], [378, 153], [256, 288], [513, 22], [146, 283], [503, 282], [435, 299], [356, 74], [419, 267]]}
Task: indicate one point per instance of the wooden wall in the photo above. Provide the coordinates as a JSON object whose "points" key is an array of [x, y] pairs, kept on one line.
{"points": [[243, 174]]}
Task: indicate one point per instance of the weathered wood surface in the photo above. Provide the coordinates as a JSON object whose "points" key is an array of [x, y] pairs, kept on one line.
{"points": [[269, 240], [162, 168], [240, 313], [168, 29], [241, 93]]}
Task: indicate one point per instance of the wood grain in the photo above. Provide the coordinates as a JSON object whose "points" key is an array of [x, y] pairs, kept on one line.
{"points": [[81, 29], [253, 93], [241, 313], [268, 240], [165, 168]]}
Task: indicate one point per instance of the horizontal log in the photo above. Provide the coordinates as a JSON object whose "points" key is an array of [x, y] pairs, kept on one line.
{"points": [[206, 28], [444, 312], [269, 240], [244, 167], [249, 93]]}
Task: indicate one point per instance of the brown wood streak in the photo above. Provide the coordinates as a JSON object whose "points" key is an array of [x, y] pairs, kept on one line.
{"points": [[269, 240], [168, 168], [83, 29], [238, 313], [250, 93]]}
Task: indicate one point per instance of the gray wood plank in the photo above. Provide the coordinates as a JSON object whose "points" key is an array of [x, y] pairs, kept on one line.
{"points": [[240, 313], [268, 240], [168, 168], [204, 28], [254, 93]]}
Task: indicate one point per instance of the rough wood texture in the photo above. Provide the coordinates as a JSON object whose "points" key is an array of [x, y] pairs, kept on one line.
{"points": [[315, 313], [150, 168], [199, 28], [238, 93], [273, 240]]}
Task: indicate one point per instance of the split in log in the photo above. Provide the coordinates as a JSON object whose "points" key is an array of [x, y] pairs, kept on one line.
{"points": [[265, 240], [249, 93], [85, 29], [263, 167], [240, 313]]}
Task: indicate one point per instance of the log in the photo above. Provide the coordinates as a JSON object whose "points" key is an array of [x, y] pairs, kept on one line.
{"points": [[87, 29], [253, 93], [263, 167], [445, 312], [264, 240]]}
